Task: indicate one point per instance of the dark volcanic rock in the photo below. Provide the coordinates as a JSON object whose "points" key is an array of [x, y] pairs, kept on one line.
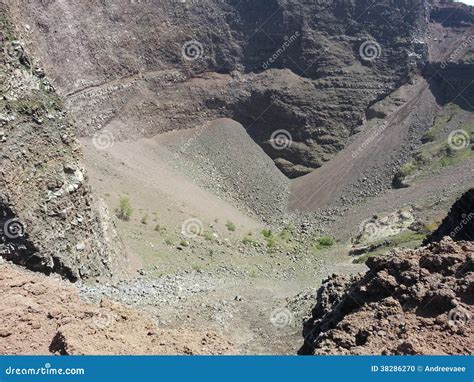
{"points": [[459, 224], [409, 302]]}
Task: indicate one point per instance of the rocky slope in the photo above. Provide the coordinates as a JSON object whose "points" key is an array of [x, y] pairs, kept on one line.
{"points": [[309, 68], [409, 302], [42, 315], [49, 220]]}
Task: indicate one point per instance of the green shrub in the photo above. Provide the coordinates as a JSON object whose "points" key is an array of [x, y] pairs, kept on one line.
{"points": [[271, 242], [231, 226], [209, 236], [160, 229], [325, 242], [124, 211]]}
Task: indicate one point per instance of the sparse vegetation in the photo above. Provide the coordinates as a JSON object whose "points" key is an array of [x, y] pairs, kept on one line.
{"points": [[249, 240], [124, 210], [231, 226], [270, 239], [406, 239], [160, 229], [209, 236], [169, 241], [436, 151], [324, 242]]}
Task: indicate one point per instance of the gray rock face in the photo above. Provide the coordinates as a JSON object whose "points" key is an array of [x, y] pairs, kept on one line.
{"points": [[48, 219], [308, 68]]}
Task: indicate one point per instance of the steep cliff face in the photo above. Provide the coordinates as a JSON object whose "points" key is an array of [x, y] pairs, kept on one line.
{"points": [[48, 219], [308, 68]]}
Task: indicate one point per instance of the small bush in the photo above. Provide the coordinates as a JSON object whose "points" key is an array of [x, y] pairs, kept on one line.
{"points": [[267, 233], [271, 242], [209, 236], [230, 226], [160, 229], [144, 219], [325, 242], [124, 211]]}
